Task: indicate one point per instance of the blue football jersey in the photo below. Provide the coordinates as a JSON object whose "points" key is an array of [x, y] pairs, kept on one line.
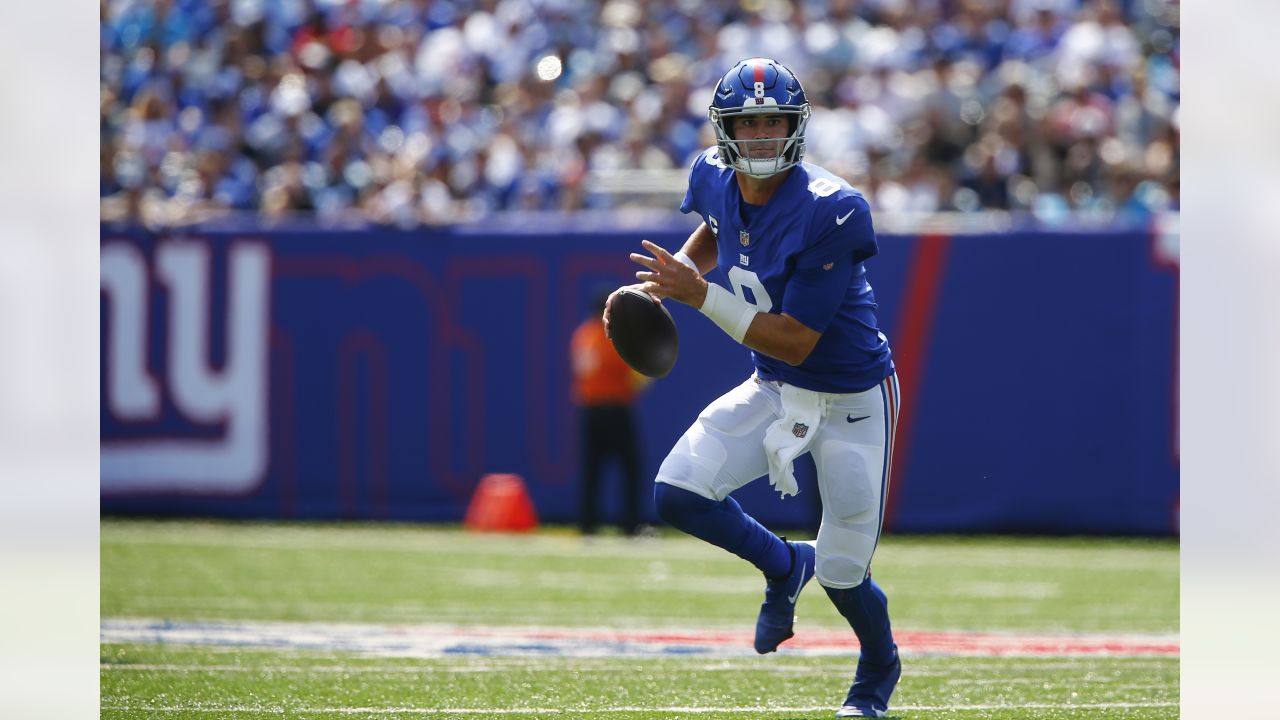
{"points": [[800, 254]]}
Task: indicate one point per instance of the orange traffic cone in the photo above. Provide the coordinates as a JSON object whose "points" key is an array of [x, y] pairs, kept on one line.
{"points": [[501, 503]]}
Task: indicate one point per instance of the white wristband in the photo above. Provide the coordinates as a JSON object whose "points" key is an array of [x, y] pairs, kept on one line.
{"points": [[729, 311], [687, 261]]}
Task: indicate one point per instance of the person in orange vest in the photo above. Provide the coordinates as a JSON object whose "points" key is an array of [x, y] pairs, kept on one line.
{"points": [[604, 388]]}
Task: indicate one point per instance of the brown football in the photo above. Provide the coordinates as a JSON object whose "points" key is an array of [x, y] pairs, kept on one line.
{"points": [[643, 332]]}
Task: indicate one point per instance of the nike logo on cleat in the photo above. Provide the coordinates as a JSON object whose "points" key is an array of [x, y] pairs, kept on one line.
{"points": [[792, 598], [852, 419], [840, 220]]}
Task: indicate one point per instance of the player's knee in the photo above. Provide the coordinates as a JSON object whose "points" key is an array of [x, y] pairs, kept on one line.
{"points": [[853, 494], [839, 572], [843, 555], [677, 506], [698, 475]]}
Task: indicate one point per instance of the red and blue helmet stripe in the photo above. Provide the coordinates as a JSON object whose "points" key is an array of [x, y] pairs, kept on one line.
{"points": [[758, 82]]}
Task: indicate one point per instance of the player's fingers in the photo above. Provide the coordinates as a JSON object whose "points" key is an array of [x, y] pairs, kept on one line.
{"points": [[658, 251], [646, 261], [608, 309]]}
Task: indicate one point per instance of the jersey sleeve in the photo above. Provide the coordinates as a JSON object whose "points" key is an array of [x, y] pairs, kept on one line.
{"points": [[814, 295], [690, 203], [843, 230]]}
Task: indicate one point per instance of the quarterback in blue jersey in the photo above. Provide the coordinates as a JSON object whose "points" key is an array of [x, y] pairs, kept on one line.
{"points": [[789, 239]]}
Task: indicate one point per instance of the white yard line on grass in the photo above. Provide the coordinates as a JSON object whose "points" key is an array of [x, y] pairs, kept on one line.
{"points": [[540, 664], [429, 712]]}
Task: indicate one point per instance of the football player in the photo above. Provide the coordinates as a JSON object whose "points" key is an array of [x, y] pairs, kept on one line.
{"points": [[790, 240]]}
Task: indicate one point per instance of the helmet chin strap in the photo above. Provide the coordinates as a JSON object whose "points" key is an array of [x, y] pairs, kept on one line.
{"points": [[759, 168], [762, 167]]}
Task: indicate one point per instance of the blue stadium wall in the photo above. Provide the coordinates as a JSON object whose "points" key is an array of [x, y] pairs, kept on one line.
{"points": [[379, 374]]}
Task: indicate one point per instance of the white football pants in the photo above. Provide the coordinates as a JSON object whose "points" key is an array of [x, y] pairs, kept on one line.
{"points": [[723, 450]]}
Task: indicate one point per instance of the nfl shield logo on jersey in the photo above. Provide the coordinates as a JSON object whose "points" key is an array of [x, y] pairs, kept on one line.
{"points": [[744, 237], [800, 430]]}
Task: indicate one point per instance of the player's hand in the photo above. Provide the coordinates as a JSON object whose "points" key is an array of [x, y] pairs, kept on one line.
{"points": [[608, 305], [667, 277]]}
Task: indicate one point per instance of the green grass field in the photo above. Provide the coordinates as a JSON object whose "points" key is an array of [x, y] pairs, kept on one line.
{"points": [[399, 578]]}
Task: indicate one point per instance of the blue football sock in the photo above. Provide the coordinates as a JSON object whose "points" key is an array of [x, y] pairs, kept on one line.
{"points": [[867, 610], [725, 525]]}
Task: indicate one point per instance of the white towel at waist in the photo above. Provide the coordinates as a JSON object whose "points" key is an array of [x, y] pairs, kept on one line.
{"points": [[787, 439]]}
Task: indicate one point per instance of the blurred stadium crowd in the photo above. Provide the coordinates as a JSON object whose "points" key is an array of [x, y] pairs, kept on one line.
{"points": [[419, 111]]}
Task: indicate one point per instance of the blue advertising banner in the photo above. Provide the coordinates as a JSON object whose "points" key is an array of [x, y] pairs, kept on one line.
{"points": [[330, 374]]}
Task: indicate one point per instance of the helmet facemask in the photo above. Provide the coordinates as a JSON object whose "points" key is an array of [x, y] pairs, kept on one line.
{"points": [[746, 155]]}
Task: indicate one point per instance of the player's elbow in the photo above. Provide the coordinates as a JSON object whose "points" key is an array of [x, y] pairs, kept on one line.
{"points": [[782, 337], [800, 343], [795, 357], [797, 352], [788, 353]]}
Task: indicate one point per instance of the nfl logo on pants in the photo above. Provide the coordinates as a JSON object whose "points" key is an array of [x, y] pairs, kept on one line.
{"points": [[799, 430]]}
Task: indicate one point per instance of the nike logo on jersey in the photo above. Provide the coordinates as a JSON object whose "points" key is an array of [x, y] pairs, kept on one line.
{"points": [[840, 220], [852, 419], [792, 598]]}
